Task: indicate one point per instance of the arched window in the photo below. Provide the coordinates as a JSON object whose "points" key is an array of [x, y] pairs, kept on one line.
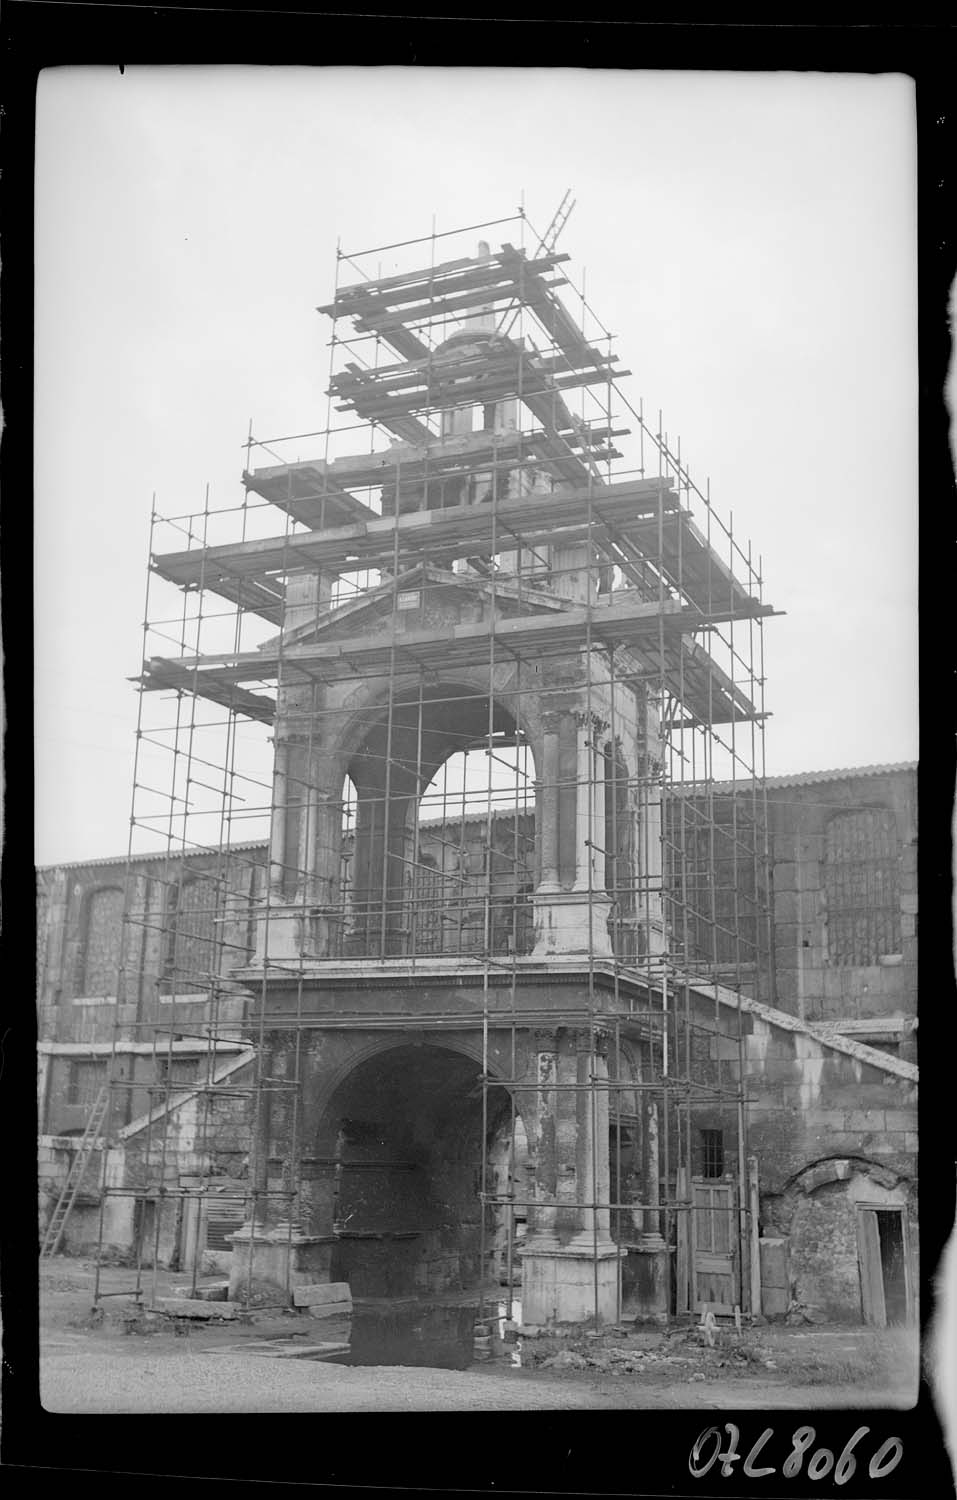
{"points": [[862, 886], [102, 939], [191, 935]]}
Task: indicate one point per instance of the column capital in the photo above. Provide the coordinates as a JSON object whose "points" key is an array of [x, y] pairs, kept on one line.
{"points": [[594, 1039], [545, 1040], [586, 719]]}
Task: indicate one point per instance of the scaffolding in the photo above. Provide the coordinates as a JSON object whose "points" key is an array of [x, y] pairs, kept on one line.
{"points": [[349, 790]]}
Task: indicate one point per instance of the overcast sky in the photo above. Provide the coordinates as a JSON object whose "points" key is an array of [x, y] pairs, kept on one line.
{"points": [[750, 238]]}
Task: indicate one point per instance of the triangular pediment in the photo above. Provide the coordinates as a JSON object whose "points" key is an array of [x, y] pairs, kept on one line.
{"points": [[424, 591]]}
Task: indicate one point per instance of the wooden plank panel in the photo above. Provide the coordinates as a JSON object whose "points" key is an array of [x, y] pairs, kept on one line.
{"points": [[872, 1275], [683, 1258]]}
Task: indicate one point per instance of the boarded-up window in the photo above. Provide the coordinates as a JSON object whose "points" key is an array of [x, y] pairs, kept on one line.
{"points": [[101, 943], [191, 929], [862, 887], [84, 1081]]}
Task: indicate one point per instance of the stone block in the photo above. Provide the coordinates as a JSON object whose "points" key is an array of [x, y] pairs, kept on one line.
{"points": [[788, 906], [213, 1291], [826, 1119], [328, 1310], [561, 1284], [864, 1119], [774, 1263], [781, 1070], [322, 1293], [787, 989], [900, 1119], [775, 1301], [193, 1307]]}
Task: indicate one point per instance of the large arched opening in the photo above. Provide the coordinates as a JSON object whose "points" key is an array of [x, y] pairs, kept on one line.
{"points": [[443, 849], [412, 1147]]}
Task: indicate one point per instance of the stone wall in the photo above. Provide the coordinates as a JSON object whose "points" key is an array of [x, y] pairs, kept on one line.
{"points": [[810, 981]]}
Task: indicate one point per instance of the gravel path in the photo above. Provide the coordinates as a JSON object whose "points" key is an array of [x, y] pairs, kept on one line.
{"points": [[77, 1379]]}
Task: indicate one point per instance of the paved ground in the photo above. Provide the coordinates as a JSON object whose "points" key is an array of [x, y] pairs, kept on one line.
{"points": [[216, 1368]]}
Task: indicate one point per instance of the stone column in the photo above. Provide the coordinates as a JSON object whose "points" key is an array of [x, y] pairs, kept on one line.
{"points": [[586, 921], [276, 932], [277, 832], [564, 1270], [291, 837], [592, 1148], [549, 880], [576, 920], [542, 1216], [590, 811], [573, 578], [651, 1228], [649, 1297]]}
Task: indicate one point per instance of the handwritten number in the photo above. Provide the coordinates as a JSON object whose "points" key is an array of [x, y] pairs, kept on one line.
{"points": [[886, 1459], [730, 1455], [847, 1463], [801, 1441], [822, 1463], [695, 1458]]}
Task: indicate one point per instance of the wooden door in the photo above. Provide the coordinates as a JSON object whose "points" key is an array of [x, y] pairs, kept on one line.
{"points": [[872, 1272], [715, 1258]]}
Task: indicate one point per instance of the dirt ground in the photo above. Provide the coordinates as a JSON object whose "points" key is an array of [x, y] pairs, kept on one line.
{"points": [[122, 1361]]}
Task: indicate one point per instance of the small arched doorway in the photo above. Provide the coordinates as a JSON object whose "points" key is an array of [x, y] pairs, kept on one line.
{"points": [[407, 1137]]}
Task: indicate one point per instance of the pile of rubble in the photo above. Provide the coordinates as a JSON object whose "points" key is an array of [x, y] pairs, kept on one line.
{"points": [[684, 1353]]}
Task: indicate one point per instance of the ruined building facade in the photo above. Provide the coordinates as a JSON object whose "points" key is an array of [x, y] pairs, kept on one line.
{"points": [[534, 980]]}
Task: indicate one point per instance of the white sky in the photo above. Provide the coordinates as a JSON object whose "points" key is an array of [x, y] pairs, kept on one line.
{"points": [[750, 238]]}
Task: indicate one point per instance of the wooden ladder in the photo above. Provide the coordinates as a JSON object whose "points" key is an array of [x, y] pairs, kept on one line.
{"points": [[54, 1230]]}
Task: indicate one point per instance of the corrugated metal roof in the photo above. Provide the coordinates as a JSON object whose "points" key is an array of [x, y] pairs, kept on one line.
{"points": [[817, 778], [142, 859]]}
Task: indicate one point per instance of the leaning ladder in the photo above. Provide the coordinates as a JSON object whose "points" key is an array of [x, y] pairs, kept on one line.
{"points": [[67, 1198]]}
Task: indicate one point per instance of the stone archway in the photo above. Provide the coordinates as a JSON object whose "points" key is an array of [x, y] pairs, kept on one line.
{"points": [[402, 1134], [401, 747], [820, 1212]]}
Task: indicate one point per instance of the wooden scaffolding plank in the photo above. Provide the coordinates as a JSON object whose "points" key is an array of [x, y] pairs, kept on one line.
{"points": [[426, 274], [332, 658], [479, 275], [365, 543]]}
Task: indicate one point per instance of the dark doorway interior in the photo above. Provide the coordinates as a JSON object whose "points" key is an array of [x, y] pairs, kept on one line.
{"points": [[890, 1228], [405, 1130], [144, 1230]]}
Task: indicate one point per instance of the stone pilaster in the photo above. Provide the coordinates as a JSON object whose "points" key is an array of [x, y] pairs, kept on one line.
{"points": [[570, 1263]]}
